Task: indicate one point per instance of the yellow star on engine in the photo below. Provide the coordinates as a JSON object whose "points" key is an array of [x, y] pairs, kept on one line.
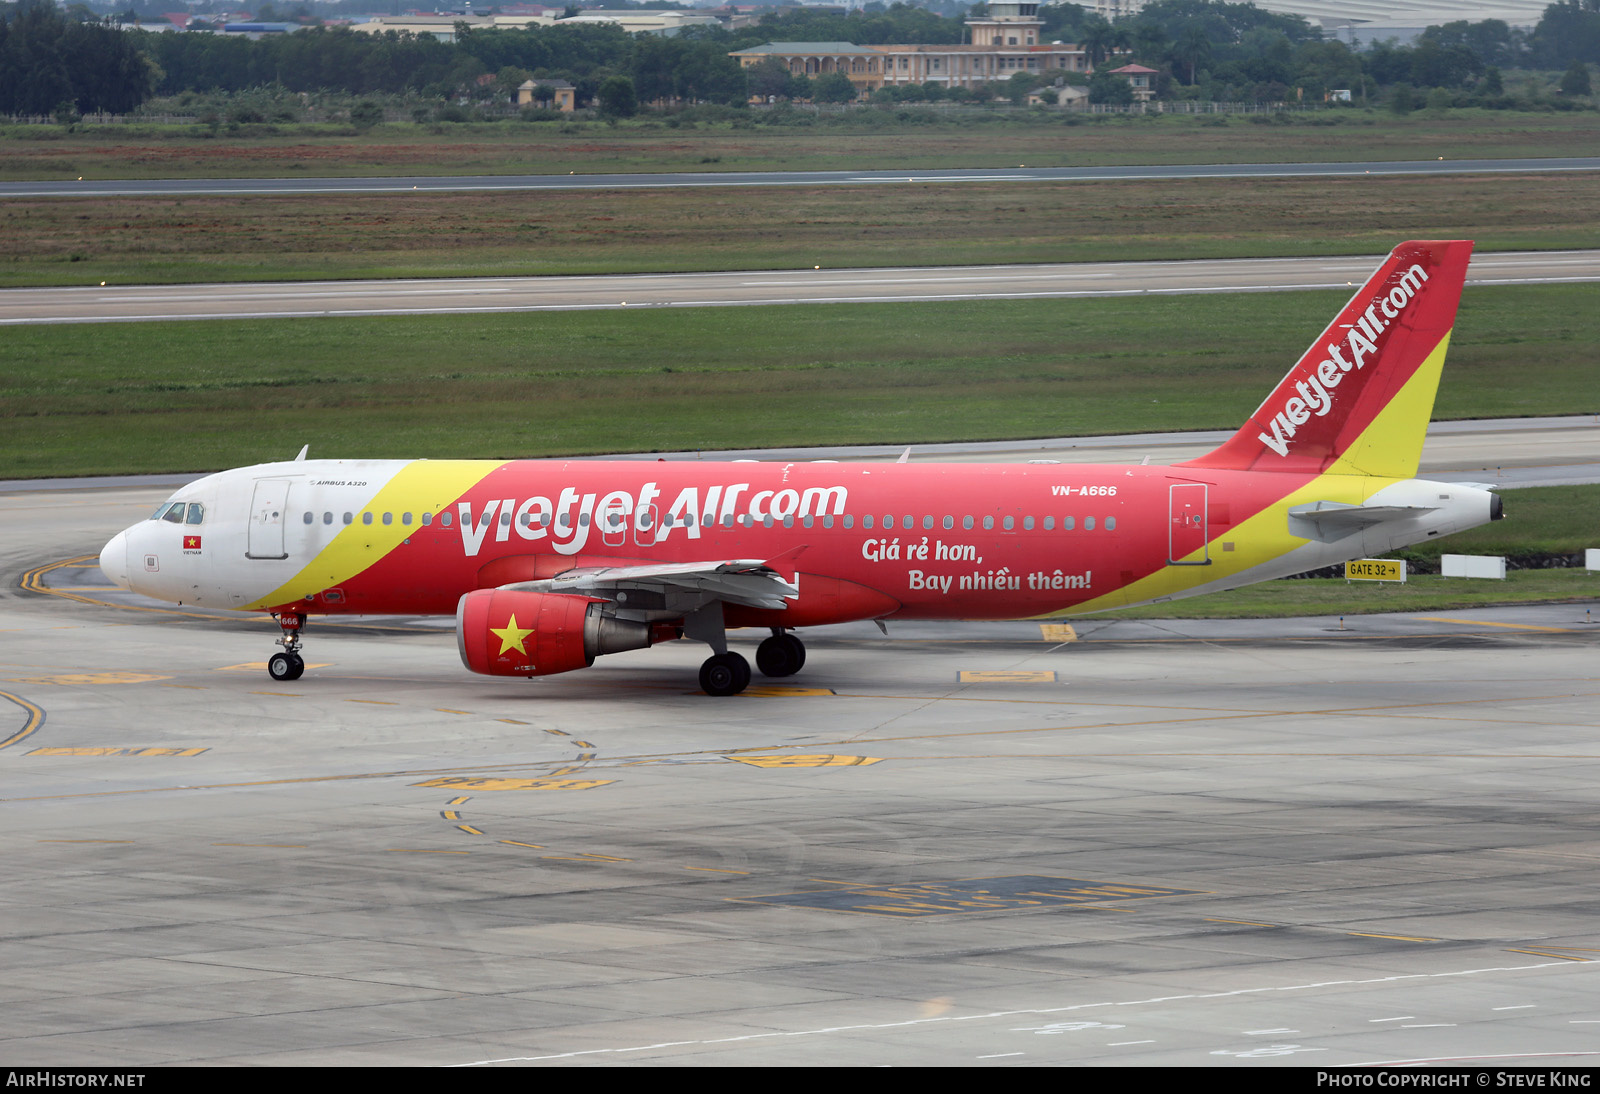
{"points": [[511, 636]]}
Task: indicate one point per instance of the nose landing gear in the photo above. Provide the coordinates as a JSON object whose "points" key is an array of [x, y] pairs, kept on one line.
{"points": [[288, 665]]}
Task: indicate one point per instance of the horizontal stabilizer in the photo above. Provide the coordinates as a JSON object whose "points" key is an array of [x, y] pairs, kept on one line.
{"points": [[1327, 521]]}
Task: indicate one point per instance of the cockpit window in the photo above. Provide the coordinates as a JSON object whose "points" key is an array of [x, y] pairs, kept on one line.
{"points": [[174, 513], [197, 513]]}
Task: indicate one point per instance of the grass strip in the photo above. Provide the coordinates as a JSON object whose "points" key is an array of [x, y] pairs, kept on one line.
{"points": [[911, 139], [170, 396], [1297, 597], [81, 241]]}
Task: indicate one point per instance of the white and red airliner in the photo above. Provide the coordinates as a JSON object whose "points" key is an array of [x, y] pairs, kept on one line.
{"points": [[550, 563]]}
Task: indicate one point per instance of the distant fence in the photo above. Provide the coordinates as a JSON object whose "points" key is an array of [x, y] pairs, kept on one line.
{"points": [[1187, 106], [104, 119], [952, 109], [975, 109]]}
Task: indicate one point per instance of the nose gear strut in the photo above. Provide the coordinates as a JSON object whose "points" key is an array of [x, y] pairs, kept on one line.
{"points": [[288, 665]]}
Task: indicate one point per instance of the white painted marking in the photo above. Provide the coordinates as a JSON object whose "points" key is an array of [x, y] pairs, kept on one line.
{"points": [[1519, 1006], [1003, 1014], [1401, 1018], [1462, 1059]]}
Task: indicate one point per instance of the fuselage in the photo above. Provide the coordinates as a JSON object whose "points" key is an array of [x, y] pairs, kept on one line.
{"points": [[930, 541]]}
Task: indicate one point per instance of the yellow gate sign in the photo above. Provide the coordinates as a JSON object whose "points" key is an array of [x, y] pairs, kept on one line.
{"points": [[1375, 569]]}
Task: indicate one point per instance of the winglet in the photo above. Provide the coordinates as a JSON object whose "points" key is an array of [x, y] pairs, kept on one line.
{"points": [[303, 450], [1359, 400]]}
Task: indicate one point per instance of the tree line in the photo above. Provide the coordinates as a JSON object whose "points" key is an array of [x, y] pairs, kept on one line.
{"points": [[1208, 49]]}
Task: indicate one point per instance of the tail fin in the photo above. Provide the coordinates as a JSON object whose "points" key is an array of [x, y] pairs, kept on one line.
{"points": [[1359, 401]]}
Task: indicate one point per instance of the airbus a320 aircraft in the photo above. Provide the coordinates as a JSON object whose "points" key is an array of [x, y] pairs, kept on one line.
{"points": [[550, 563]]}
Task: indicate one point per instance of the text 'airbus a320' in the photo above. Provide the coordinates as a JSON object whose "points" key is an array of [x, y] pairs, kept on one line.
{"points": [[548, 564]]}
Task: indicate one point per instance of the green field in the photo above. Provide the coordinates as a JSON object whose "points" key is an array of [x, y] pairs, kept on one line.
{"points": [[122, 241], [866, 139], [1292, 598], [137, 397]]}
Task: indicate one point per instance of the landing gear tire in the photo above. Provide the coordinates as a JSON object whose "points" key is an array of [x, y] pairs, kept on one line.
{"points": [[286, 666], [781, 655], [724, 674]]}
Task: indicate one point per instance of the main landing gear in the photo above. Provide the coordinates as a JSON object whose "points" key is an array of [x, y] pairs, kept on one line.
{"points": [[724, 674], [288, 665], [729, 673], [781, 655]]}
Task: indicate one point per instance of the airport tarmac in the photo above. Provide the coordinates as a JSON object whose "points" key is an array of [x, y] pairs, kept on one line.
{"points": [[483, 295], [378, 184], [1191, 843]]}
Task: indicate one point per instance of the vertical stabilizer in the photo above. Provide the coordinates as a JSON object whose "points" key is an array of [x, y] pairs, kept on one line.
{"points": [[1359, 400]]}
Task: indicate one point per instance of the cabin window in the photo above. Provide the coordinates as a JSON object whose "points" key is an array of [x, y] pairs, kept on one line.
{"points": [[427, 519], [1010, 523], [927, 521], [1088, 524], [988, 523], [1066, 524], [327, 518], [447, 519], [966, 522], [949, 521], [405, 518], [1111, 524], [1027, 524], [388, 518], [309, 516], [349, 518], [909, 522], [866, 522], [366, 518], [1049, 523]]}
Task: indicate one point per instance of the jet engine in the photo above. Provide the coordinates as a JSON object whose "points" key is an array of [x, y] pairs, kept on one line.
{"points": [[509, 632]]}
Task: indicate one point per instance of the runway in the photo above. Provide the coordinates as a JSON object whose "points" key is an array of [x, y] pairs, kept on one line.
{"points": [[1024, 173], [464, 296], [1190, 843]]}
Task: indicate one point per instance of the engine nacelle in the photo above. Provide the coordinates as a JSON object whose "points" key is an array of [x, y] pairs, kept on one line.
{"points": [[506, 632]]}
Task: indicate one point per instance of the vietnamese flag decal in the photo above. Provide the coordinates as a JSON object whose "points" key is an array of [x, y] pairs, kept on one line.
{"points": [[191, 543]]}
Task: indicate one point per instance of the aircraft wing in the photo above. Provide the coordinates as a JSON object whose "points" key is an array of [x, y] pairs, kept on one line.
{"points": [[675, 587]]}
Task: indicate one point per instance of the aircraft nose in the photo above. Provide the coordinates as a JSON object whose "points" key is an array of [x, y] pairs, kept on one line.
{"points": [[114, 560]]}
